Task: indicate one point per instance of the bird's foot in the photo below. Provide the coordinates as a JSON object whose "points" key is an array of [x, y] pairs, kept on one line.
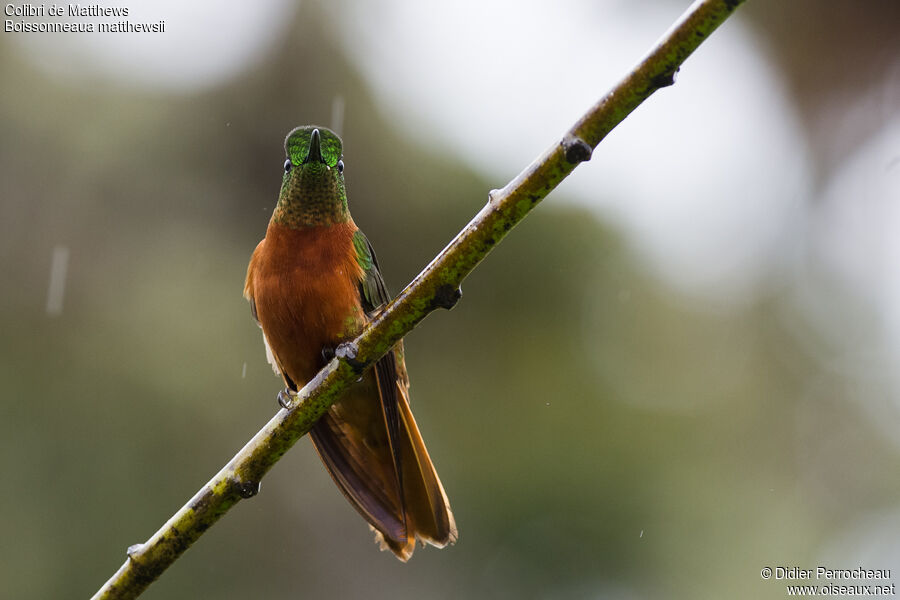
{"points": [[346, 351], [284, 398]]}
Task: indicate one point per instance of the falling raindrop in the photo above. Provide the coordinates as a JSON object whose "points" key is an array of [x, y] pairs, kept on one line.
{"points": [[244, 371], [59, 265], [337, 114]]}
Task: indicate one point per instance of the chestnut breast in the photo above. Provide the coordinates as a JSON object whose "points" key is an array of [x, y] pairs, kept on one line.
{"points": [[305, 285]]}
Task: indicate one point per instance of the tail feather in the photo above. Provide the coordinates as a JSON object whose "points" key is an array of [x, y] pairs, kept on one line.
{"points": [[428, 510], [353, 441], [348, 469]]}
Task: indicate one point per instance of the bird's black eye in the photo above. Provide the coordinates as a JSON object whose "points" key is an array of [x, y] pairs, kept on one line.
{"points": [[287, 166], [340, 166]]}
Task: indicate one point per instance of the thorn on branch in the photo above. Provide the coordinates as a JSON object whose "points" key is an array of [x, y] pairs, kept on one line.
{"points": [[247, 489], [576, 149], [446, 296], [664, 79]]}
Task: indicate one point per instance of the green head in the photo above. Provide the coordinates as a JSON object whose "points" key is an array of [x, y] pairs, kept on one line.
{"points": [[312, 190]]}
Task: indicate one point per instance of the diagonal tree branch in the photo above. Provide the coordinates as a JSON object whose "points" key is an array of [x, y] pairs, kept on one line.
{"points": [[437, 286]]}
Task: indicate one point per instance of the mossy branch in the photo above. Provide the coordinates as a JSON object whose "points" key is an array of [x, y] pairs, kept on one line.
{"points": [[437, 286]]}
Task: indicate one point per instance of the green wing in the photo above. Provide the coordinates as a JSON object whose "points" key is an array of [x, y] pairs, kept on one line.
{"points": [[374, 295], [372, 289]]}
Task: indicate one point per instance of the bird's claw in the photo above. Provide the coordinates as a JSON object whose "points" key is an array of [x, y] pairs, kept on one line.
{"points": [[284, 398], [346, 351]]}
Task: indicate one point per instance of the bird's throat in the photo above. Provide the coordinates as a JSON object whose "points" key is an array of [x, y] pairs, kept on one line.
{"points": [[311, 202]]}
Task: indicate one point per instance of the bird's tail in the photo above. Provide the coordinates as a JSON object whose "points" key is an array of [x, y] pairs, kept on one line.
{"points": [[402, 502]]}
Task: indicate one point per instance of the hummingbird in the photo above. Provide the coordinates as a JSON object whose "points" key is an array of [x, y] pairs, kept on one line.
{"points": [[313, 283]]}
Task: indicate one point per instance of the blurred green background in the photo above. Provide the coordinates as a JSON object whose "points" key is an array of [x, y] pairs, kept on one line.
{"points": [[604, 428]]}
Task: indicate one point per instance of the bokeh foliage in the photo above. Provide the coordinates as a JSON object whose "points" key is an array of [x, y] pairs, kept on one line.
{"points": [[596, 435]]}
